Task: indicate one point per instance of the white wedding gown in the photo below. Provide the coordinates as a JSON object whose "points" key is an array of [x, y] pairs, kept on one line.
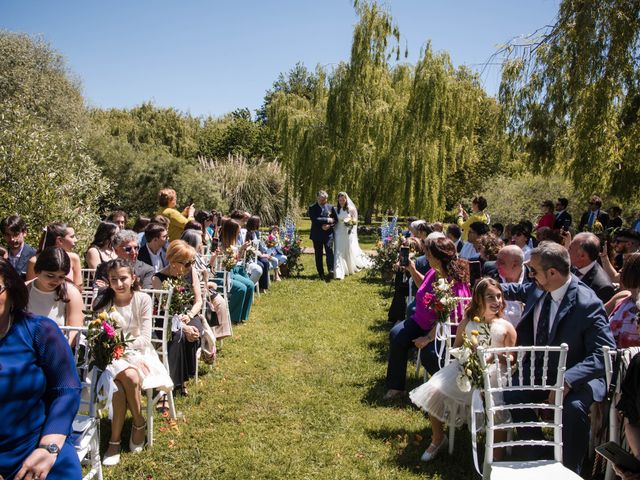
{"points": [[348, 257]]}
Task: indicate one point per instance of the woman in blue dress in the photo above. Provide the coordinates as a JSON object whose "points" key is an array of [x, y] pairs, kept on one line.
{"points": [[39, 390]]}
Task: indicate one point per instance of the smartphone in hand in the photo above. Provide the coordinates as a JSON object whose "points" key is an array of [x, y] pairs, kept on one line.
{"points": [[404, 256]]}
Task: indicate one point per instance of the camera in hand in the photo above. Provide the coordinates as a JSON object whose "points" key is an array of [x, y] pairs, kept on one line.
{"points": [[404, 256]]}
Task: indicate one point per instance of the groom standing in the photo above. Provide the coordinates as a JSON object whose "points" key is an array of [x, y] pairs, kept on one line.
{"points": [[323, 217]]}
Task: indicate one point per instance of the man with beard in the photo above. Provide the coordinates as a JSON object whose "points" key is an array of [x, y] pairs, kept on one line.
{"points": [[561, 309]]}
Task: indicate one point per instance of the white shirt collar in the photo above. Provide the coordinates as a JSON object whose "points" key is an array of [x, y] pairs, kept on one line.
{"points": [[558, 294], [584, 270]]}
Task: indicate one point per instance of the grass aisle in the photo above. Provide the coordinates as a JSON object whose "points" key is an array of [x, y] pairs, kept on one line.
{"points": [[295, 395]]}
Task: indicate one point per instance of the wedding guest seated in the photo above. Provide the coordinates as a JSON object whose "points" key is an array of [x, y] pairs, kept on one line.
{"points": [[419, 330], [615, 219], [14, 230], [474, 232], [629, 407], [252, 268], [441, 397], [186, 335], [274, 249], [465, 220], [140, 224], [59, 235], [39, 390], [624, 318], [527, 225], [155, 220], [51, 293], [418, 229], [548, 234], [584, 251], [101, 248], [626, 241], [547, 219], [242, 287], [153, 252], [167, 199], [223, 327], [455, 235], [437, 227], [561, 309], [242, 218], [261, 257], [125, 244], [520, 238], [118, 217], [139, 368], [497, 229], [509, 267]]}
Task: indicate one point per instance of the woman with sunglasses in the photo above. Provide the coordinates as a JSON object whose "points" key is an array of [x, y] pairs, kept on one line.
{"points": [[188, 328], [39, 390]]}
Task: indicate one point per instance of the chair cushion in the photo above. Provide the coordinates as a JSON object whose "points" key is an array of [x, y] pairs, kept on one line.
{"points": [[536, 470]]}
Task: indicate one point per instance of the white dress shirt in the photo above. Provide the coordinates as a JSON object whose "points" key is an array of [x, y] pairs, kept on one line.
{"points": [[584, 270], [468, 251], [514, 309], [556, 298]]}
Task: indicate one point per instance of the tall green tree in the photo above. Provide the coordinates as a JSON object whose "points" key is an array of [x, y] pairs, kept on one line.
{"points": [[572, 91]]}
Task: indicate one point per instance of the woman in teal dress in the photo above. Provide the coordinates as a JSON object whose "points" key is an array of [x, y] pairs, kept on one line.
{"points": [[39, 390]]}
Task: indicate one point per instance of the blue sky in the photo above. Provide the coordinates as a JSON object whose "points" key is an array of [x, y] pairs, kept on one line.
{"points": [[211, 57]]}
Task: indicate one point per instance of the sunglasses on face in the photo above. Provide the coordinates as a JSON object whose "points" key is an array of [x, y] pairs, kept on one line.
{"points": [[186, 264], [134, 248]]}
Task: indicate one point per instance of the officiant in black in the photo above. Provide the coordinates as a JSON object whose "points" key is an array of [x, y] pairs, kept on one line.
{"points": [[323, 217]]}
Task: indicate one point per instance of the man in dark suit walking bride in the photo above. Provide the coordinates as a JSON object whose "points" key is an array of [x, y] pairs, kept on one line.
{"points": [[323, 218]]}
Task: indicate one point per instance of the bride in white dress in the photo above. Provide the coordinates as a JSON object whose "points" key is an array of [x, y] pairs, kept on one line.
{"points": [[349, 258]]}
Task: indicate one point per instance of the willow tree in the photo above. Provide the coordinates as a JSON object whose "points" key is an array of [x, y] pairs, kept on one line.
{"points": [[298, 120], [573, 94], [366, 101], [389, 133]]}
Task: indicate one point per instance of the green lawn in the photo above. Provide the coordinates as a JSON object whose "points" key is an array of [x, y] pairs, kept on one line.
{"points": [[295, 394]]}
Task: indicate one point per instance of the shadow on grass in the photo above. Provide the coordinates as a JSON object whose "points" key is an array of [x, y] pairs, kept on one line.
{"points": [[406, 447]]}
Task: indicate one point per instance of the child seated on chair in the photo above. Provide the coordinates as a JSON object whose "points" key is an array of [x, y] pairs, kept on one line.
{"points": [[441, 396], [139, 368]]}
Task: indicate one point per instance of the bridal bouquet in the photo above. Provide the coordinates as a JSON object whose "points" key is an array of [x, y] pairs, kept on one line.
{"points": [[349, 222], [107, 342], [229, 260], [182, 299], [442, 301], [469, 368]]}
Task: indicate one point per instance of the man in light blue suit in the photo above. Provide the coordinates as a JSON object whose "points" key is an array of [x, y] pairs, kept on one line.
{"points": [[561, 309]]}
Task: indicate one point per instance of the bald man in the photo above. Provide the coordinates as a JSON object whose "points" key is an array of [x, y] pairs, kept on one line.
{"points": [[510, 268], [584, 251]]}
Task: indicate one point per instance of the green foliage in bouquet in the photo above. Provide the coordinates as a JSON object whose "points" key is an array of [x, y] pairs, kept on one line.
{"points": [[107, 342]]}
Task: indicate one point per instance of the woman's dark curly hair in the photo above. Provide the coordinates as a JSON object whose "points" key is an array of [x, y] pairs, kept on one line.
{"points": [[445, 250]]}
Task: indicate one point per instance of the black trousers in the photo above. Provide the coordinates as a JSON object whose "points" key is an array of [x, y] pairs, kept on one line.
{"points": [[327, 245]]}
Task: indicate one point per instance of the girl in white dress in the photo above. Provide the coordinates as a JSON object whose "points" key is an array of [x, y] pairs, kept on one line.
{"points": [[349, 258], [441, 396], [139, 368], [52, 294]]}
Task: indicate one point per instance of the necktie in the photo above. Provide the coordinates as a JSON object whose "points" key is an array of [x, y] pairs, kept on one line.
{"points": [[542, 333], [591, 218]]}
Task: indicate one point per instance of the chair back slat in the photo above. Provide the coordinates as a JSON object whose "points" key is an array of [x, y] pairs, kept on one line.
{"points": [[509, 381], [88, 278], [160, 322]]}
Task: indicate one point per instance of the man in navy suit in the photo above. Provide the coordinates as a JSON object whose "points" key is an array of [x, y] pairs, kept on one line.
{"points": [[561, 309], [595, 213], [584, 251], [323, 217], [563, 218], [14, 229]]}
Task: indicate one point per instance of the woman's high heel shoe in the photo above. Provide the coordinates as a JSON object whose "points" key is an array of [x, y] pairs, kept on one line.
{"points": [[111, 460], [136, 448]]}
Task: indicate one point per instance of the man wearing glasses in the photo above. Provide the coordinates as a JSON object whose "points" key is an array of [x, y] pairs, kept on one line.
{"points": [[127, 247], [593, 215], [561, 309]]}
